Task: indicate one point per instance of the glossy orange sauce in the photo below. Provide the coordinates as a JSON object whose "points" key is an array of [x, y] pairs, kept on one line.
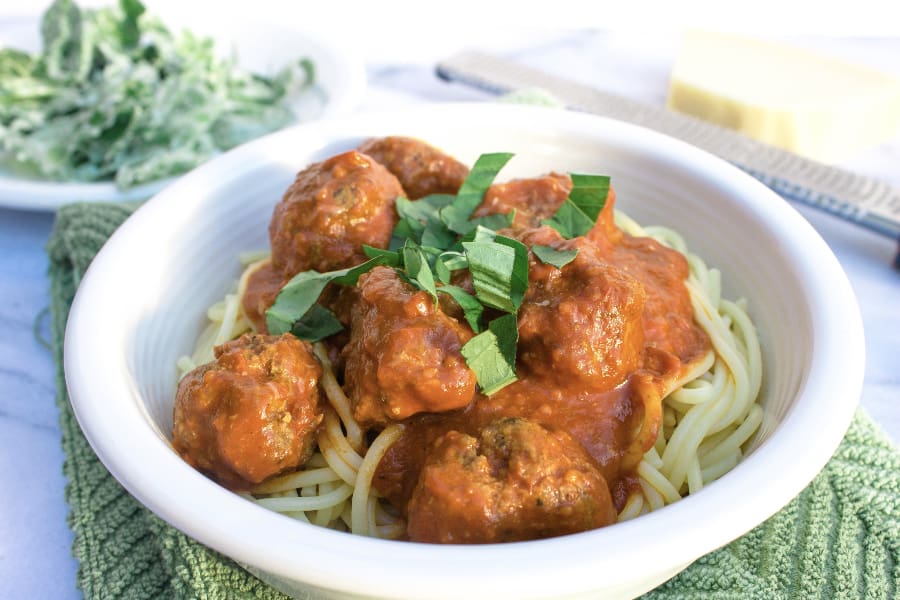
{"points": [[601, 341], [616, 424]]}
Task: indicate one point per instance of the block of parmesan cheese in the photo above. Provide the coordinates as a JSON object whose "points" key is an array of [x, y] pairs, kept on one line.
{"points": [[821, 107]]}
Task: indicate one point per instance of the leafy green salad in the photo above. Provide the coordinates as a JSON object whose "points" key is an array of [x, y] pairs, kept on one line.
{"points": [[114, 95]]}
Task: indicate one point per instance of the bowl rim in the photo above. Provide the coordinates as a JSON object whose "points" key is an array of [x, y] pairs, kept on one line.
{"points": [[556, 565]]}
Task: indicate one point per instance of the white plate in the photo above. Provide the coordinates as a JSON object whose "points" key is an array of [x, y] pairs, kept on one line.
{"points": [[260, 46]]}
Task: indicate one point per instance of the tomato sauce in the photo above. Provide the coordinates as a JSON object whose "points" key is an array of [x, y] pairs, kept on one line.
{"points": [[600, 341]]}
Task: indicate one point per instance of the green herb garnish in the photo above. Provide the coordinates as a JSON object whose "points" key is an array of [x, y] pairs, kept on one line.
{"points": [[499, 272], [471, 193], [421, 222], [317, 324], [436, 236], [115, 95], [417, 269], [297, 298], [552, 256], [579, 211], [492, 354], [472, 307]]}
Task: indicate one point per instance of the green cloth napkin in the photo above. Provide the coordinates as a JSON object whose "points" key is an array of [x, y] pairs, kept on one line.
{"points": [[839, 539]]}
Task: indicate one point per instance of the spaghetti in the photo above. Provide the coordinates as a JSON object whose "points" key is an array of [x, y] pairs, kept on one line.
{"points": [[708, 414]]}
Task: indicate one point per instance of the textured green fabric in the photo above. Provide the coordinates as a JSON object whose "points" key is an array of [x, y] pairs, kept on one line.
{"points": [[839, 539], [124, 550]]}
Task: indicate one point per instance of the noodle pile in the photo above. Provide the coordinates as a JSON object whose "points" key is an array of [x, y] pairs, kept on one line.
{"points": [[708, 415]]}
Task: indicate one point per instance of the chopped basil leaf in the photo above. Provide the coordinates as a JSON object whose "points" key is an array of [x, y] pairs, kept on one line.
{"points": [[499, 271], [446, 263], [471, 192], [552, 256], [492, 354], [454, 260], [589, 193], [578, 213], [426, 208], [569, 220], [404, 230], [430, 252], [391, 258], [442, 272], [479, 234], [317, 324], [417, 269], [420, 221], [472, 308], [299, 295], [436, 235], [436, 201], [494, 222], [519, 276]]}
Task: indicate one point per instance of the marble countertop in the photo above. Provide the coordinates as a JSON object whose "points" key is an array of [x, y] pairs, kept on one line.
{"points": [[35, 559]]}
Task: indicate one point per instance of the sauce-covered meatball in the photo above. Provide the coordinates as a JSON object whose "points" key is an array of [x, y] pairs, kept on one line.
{"points": [[669, 325], [421, 168], [582, 321], [671, 335], [252, 413], [533, 199], [404, 353], [330, 211], [536, 199], [515, 481]]}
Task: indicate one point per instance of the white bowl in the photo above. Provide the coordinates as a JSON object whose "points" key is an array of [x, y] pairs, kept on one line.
{"points": [[142, 304]]}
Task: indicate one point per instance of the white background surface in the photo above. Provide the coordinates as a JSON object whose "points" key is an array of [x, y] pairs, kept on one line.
{"points": [[634, 60]]}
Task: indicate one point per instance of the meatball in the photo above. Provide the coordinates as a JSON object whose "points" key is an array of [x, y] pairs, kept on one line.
{"points": [[422, 169], [668, 323], [252, 413], [403, 356], [533, 199], [516, 481], [330, 211], [671, 335], [581, 322]]}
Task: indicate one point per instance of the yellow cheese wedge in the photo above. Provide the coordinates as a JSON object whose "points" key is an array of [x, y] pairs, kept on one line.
{"points": [[823, 108]]}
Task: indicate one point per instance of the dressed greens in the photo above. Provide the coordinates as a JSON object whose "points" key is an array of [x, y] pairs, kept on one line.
{"points": [[115, 95]]}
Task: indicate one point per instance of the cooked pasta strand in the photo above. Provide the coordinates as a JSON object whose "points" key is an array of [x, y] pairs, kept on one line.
{"points": [[711, 415], [342, 492], [707, 416], [360, 505], [296, 480], [338, 400]]}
